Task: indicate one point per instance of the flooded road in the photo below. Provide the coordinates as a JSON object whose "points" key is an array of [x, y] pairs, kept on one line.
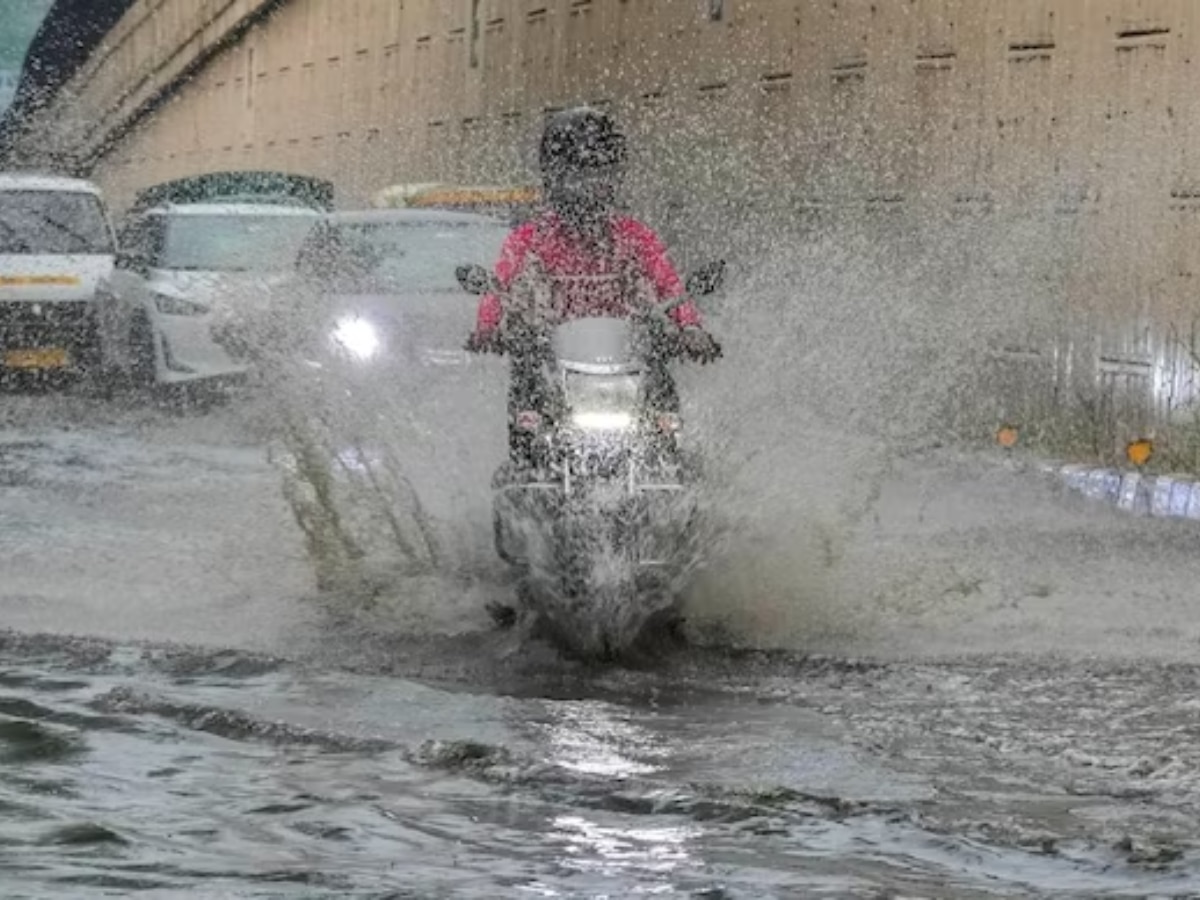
{"points": [[178, 716], [163, 772], [135, 523]]}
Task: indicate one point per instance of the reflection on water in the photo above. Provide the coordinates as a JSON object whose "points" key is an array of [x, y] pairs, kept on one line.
{"points": [[189, 772], [591, 847], [599, 739]]}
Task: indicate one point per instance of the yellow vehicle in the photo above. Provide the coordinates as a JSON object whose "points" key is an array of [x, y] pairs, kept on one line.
{"points": [[515, 203]]}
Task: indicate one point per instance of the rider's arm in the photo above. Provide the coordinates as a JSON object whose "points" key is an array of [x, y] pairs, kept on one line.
{"points": [[512, 259], [657, 264]]}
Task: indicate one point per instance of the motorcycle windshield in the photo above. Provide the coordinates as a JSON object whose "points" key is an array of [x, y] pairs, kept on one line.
{"points": [[596, 346]]}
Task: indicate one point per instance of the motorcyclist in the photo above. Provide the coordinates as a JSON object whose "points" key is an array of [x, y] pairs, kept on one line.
{"points": [[579, 238]]}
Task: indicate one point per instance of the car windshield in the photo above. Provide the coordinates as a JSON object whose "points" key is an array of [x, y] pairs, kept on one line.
{"points": [[53, 222], [422, 256], [227, 242]]}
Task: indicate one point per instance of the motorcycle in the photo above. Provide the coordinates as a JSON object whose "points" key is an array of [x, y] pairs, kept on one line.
{"points": [[600, 522]]}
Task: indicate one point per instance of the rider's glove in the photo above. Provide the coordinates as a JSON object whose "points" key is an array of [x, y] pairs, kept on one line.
{"points": [[700, 346], [482, 342]]}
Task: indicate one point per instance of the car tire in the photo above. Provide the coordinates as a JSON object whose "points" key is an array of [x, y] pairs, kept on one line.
{"points": [[143, 370]]}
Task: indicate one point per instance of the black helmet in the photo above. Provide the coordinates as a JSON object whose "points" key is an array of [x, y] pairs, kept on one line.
{"points": [[580, 139], [582, 157]]}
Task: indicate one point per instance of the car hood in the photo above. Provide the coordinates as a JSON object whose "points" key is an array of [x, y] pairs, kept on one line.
{"points": [[224, 291], [432, 305], [46, 278]]}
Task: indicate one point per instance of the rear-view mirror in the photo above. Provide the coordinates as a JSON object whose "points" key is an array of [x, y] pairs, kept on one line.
{"points": [[475, 279], [707, 279]]}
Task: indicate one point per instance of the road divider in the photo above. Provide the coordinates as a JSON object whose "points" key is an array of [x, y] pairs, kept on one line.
{"points": [[1160, 496]]}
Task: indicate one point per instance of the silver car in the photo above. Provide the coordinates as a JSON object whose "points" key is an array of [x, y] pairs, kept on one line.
{"points": [[387, 288], [194, 285]]}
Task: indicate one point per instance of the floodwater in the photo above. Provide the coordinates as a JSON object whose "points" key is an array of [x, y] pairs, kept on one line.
{"points": [[178, 716], [163, 771]]}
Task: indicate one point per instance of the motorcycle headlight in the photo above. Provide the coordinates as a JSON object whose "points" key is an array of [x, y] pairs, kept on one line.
{"points": [[603, 402], [590, 420], [356, 337]]}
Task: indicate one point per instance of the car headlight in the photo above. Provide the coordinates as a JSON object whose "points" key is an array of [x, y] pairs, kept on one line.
{"points": [[177, 306], [357, 337]]}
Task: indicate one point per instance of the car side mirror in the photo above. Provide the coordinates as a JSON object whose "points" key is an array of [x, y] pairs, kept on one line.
{"points": [[476, 280], [708, 279]]}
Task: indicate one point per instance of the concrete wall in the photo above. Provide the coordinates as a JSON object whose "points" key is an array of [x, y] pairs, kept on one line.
{"points": [[894, 110], [152, 51]]}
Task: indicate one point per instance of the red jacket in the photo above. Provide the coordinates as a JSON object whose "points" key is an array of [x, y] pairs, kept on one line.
{"points": [[565, 255]]}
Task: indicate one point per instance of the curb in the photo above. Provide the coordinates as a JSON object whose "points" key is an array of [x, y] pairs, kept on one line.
{"points": [[1162, 496]]}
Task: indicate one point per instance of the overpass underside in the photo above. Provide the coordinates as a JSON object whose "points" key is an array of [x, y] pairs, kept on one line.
{"points": [[897, 118]]}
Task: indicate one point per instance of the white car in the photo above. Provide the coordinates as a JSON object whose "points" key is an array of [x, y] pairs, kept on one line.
{"points": [[388, 285], [56, 248], [193, 282]]}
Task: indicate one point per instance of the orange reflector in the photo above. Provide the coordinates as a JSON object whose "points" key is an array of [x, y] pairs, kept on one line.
{"points": [[1140, 451], [1008, 436]]}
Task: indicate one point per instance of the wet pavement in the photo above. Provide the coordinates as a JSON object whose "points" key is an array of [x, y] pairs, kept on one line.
{"points": [[142, 523]]}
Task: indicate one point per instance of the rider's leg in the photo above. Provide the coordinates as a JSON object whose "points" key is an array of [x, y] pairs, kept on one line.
{"points": [[523, 396], [662, 394], [524, 393], [663, 398]]}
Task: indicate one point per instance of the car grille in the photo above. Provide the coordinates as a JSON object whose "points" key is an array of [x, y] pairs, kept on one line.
{"points": [[29, 325]]}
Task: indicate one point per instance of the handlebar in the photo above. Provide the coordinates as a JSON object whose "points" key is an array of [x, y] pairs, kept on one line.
{"points": [[666, 345]]}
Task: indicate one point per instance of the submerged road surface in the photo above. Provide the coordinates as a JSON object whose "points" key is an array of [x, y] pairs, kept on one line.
{"points": [[178, 716], [143, 525]]}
